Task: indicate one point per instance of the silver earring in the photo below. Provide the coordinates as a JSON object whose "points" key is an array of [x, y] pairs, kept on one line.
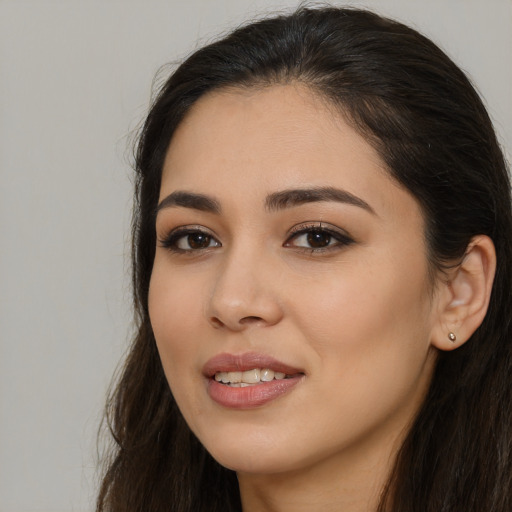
{"points": [[452, 337]]}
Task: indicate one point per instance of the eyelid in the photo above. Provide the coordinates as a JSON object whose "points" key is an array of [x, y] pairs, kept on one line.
{"points": [[342, 236], [169, 240]]}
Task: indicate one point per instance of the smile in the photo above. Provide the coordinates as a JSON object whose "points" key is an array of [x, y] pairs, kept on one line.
{"points": [[250, 380], [249, 377]]}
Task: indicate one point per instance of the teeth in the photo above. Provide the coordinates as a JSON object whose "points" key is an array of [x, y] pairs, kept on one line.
{"points": [[249, 377], [235, 377], [267, 375]]}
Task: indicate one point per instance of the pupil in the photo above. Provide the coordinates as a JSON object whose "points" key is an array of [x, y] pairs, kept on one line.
{"points": [[318, 239], [198, 240]]}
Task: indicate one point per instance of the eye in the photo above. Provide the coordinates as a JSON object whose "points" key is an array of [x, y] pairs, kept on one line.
{"points": [[317, 238], [189, 240]]}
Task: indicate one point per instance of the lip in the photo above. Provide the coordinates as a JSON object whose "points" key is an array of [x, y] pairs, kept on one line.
{"points": [[243, 362], [252, 396]]}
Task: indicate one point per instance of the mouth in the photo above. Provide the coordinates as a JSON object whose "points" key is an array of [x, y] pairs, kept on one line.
{"points": [[250, 380], [252, 377]]}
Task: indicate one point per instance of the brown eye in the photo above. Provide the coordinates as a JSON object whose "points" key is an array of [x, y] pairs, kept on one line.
{"points": [[198, 241], [189, 240], [318, 239]]}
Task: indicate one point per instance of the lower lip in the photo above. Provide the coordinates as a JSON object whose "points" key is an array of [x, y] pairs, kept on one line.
{"points": [[250, 396]]}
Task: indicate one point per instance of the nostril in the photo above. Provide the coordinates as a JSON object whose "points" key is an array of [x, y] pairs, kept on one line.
{"points": [[216, 322], [250, 319], [246, 320]]}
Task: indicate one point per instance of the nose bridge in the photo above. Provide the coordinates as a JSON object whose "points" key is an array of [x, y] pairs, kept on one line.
{"points": [[242, 293]]}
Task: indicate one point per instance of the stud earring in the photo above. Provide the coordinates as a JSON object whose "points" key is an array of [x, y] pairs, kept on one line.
{"points": [[452, 337]]}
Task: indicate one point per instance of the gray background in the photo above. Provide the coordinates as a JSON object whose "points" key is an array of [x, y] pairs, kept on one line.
{"points": [[75, 80]]}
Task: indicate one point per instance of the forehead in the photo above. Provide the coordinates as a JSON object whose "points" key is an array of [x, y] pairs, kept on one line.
{"points": [[272, 138], [283, 114]]}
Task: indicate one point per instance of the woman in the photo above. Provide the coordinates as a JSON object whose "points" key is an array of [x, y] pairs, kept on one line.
{"points": [[322, 281]]}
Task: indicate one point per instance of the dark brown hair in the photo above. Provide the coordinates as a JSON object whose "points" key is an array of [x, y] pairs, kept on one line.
{"points": [[420, 112]]}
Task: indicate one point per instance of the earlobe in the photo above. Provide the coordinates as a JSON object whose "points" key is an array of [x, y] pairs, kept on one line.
{"points": [[464, 296]]}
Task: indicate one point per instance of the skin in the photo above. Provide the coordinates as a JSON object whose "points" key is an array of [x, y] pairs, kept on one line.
{"points": [[357, 318]]}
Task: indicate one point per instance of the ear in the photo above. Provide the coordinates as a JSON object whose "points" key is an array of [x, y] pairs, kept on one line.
{"points": [[463, 298]]}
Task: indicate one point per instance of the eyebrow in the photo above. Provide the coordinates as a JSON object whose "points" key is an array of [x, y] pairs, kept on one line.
{"points": [[192, 200], [295, 197], [274, 202]]}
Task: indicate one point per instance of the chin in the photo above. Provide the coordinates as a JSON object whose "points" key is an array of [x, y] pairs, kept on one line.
{"points": [[259, 464], [270, 457], [240, 456]]}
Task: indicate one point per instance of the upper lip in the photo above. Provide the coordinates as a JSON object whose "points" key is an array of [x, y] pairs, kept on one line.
{"points": [[242, 362]]}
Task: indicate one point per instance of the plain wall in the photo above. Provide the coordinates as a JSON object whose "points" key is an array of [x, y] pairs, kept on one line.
{"points": [[75, 80]]}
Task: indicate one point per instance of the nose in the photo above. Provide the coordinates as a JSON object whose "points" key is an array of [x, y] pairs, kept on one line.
{"points": [[244, 294]]}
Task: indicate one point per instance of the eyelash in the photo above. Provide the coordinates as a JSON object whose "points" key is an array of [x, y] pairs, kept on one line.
{"points": [[341, 238], [170, 242]]}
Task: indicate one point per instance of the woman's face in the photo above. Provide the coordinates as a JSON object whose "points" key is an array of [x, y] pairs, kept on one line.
{"points": [[292, 267]]}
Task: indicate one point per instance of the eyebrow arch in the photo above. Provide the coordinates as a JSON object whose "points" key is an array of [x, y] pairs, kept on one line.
{"points": [[296, 197], [274, 202], [193, 200]]}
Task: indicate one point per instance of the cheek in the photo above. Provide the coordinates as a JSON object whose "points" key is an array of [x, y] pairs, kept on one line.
{"points": [[175, 313], [370, 337], [368, 319]]}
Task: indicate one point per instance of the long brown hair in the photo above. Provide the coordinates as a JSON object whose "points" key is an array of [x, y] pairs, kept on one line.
{"points": [[421, 113]]}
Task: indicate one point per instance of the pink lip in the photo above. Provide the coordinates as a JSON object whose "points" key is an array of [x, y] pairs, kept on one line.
{"points": [[251, 396], [247, 361]]}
